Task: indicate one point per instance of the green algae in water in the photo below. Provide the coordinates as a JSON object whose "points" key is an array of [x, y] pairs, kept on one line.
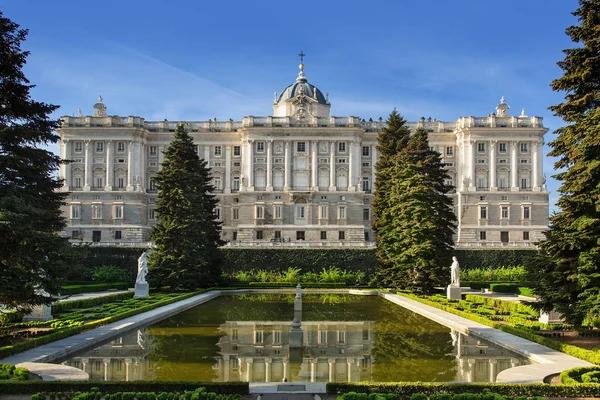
{"points": [[345, 337]]}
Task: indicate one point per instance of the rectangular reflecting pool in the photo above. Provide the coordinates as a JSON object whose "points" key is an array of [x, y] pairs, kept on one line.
{"points": [[342, 337]]}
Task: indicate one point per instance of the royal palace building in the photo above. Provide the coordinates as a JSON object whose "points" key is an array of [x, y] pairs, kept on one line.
{"points": [[300, 177]]}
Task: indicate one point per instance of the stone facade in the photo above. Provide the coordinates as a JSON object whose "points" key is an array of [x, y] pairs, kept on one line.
{"points": [[301, 177]]}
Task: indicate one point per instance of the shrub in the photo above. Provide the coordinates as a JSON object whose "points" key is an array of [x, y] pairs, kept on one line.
{"points": [[109, 273], [98, 287], [591, 377], [8, 317], [58, 308], [498, 274], [575, 375], [122, 390]]}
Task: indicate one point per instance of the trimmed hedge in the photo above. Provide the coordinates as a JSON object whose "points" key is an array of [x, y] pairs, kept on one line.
{"points": [[96, 287], [584, 354], [486, 258], [481, 284], [115, 387], [294, 284], [63, 333], [575, 376], [125, 258], [511, 288], [69, 305], [408, 388]]}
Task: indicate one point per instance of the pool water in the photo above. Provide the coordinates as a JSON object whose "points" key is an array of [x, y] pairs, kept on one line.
{"points": [[343, 338]]}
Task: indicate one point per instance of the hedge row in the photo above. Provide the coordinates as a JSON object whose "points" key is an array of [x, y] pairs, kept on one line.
{"points": [[69, 305], [481, 284], [292, 284], [575, 376], [587, 355], [125, 258], [487, 258], [512, 288], [63, 333], [96, 287], [408, 388], [115, 387]]}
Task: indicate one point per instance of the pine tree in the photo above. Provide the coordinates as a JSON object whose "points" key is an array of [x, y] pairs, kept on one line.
{"points": [[567, 272], [187, 235], [417, 241], [391, 141], [32, 255]]}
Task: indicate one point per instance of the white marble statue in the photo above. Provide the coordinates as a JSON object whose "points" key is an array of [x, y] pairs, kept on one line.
{"points": [[142, 268], [455, 272]]}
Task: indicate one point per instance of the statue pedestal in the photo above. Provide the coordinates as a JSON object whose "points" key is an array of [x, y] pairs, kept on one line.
{"points": [[453, 292], [39, 313], [295, 335], [141, 290]]}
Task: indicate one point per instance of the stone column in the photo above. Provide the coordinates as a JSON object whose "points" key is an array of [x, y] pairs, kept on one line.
{"points": [[331, 362], [349, 363], [373, 172], [251, 166], [226, 367], [268, 362], [110, 169], [127, 369], [287, 168], [493, 369], [62, 170], [513, 167], [351, 166], [141, 169], [107, 369], [493, 183], [161, 156], [269, 165], [207, 155], [471, 165], [88, 166], [540, 164], [471, 375], [249, 364], [66, 168], [313, 173], [332, 166], [130, 166], [534, 166], [313, 369], [84, 363], [286, 369]]}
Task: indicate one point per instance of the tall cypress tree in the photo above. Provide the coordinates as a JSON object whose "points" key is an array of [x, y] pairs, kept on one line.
{"points": [[187, 235], [32, 255], [567, 272], [391, 141], [417, 241]]}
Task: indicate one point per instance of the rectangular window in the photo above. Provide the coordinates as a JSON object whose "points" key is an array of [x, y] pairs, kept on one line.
{"points": [[78, 147], [526, 212], [96, 236], [118, 212], [151, 214], [481, 147], [524, 148], [259, 235], [366, 165], [152, 150], [260, 147], [342, 212], [342, 147], [236, 184], [366, 214], [504, 212], [276, 337], [99, 182], [342, 235], [120, 147], [525, 235], [218, 213], [482, 212], [502, 147], [217, 150], [449, 151], [482, 235], [341, 337], [99, 147], [258, 337], [217, 182], [367, 236], [323, 235], [121, 182], [278, 235], [366, 184], [301, 212], [118, 235], [504, 237], [341, 161], [75, 211], [322, 337], [260, 212], [523, 183], [96, 211], [234, 236], [299, 235], [301, 147], [366, 151], [277, 212], [237, 151], [235, 212]]}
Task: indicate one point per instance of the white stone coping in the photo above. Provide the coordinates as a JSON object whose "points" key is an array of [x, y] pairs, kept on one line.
{"points": [[273, 387], [549, 361], [55, 372]]}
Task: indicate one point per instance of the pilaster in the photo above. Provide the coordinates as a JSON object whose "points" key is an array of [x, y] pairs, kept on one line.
{"points": [[109, 166], [88, 166]]}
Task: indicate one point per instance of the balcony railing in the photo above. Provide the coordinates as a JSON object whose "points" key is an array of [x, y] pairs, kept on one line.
{"points": [[298, 243], [494, 244]]}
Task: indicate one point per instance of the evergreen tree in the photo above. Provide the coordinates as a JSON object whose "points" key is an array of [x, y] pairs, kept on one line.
{"points": [[391, 141], [567, 271], [32, 255], [187, 235], [417, 241]]}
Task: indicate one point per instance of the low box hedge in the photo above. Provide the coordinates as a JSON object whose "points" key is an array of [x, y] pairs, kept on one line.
{"points": [[477, 285], [31, 387], [293, 285], [96, 287], [69, 305], [405, 389], [574, 376], [511, 288]]}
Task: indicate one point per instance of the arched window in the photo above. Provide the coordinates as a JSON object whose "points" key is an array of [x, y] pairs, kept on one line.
{"points": [[481, 179], [99, 175], [503, 179], [120, 178], [277, 178], [77, 178], [524, 179], [260, 179], [323, 178], [341, 179]]}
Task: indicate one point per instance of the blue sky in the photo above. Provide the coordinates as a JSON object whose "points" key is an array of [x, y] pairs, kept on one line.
{"points": [[194, 60]]}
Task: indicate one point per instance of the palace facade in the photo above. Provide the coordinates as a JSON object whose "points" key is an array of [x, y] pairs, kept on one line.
{"points": [[301, 177]]}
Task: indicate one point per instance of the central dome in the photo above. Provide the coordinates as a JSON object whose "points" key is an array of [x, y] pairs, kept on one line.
{"points": [[301, 86]]}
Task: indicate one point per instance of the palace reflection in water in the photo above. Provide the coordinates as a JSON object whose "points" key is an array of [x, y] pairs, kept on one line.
{"points": [[259, 351]]}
